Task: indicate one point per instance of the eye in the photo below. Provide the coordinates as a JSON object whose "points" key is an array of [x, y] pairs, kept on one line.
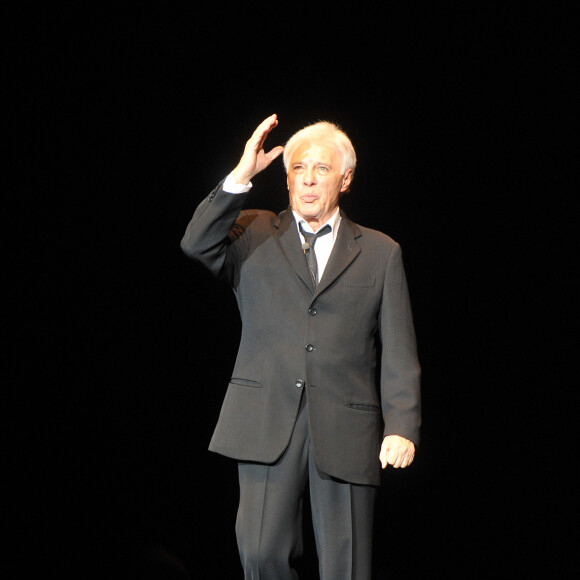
{"points": [[323, 169], [298, 168]]}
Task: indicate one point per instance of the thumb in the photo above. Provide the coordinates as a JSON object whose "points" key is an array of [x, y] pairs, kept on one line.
{"points": [[383, 456], [275, 152]]}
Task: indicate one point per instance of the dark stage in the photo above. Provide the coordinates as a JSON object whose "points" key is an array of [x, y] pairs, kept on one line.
{"points": [[125, 119]]}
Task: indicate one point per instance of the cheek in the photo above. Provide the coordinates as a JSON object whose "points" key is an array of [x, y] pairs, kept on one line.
{"points": [[291, 183], [292, 193]]}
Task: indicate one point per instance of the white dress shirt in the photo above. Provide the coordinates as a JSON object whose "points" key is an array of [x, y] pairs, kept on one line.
{"points": [[324, 244]]}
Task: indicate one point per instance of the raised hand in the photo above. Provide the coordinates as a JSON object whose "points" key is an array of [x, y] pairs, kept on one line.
{"points": [[254, 159]]}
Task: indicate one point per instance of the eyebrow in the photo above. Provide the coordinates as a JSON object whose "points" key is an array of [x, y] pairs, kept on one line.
{"points": [[325, 163]]}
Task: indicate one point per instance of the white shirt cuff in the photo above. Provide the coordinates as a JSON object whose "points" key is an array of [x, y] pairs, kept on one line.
{"points": [[230, 185]]}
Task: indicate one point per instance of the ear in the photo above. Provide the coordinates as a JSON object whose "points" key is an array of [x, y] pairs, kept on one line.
{"points": [[346, 180]]}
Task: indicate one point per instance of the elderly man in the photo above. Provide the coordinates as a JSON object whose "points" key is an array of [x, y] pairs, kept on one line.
{"points": [[325, 388]]}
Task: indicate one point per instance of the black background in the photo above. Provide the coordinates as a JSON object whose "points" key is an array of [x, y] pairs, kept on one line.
{"points": [[123, 120]]}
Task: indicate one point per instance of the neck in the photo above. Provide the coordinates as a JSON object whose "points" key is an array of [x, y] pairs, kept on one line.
{"points": [[315, 222]]}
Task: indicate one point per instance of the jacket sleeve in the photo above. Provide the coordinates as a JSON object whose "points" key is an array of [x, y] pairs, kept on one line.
{"points": [[212, 230], [400, 370]]}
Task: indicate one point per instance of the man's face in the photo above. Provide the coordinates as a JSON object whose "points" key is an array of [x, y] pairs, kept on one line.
{"points": [[315, 181]]}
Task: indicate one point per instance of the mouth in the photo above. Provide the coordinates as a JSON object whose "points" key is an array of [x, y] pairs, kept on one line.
{"points": [[309, 197]]}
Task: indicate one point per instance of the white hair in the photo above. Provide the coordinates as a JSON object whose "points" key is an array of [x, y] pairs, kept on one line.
{"points": [[323, 131]]}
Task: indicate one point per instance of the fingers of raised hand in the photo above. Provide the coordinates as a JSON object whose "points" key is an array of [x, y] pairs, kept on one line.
{"points": [[254, 159], [257, 139]]}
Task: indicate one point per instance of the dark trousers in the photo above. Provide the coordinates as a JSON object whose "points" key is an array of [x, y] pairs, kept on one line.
{"points": [[269, 522]]}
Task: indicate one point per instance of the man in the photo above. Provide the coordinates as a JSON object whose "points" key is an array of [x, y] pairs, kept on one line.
{"points": [[325, 387]]}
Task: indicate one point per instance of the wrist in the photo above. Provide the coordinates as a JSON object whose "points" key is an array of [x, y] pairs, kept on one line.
{"points": [[231, 186], [241, 177]]}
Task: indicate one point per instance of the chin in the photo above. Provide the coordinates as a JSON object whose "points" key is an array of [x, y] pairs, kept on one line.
{"points": [[309, 212]]}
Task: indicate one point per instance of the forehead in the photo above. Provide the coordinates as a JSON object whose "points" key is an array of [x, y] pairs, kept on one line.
{"points": [[317, 152]]}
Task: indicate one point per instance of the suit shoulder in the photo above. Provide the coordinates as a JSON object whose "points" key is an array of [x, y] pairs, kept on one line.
{"points": [[377, 237]]}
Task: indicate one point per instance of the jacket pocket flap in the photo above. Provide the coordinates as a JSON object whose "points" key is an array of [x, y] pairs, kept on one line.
{"points": [[245, 382], [364, 407], [364, 281]]}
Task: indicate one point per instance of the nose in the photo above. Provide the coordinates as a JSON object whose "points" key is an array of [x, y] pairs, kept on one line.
{"points": [[310, 176]]}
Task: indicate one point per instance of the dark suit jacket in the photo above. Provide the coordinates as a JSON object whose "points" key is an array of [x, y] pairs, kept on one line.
{"points": [[351, 342]]}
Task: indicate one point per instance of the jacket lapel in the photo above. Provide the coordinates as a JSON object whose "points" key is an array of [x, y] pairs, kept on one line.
{"points": [[286, 233], [346, 249]]}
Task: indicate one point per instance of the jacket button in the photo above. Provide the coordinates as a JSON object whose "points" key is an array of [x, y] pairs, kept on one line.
{"points": [[299, 383], [312, 311], [309, 347]]}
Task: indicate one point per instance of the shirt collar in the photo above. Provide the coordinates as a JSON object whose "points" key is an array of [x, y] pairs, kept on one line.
{"points": [[333, 221]]}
